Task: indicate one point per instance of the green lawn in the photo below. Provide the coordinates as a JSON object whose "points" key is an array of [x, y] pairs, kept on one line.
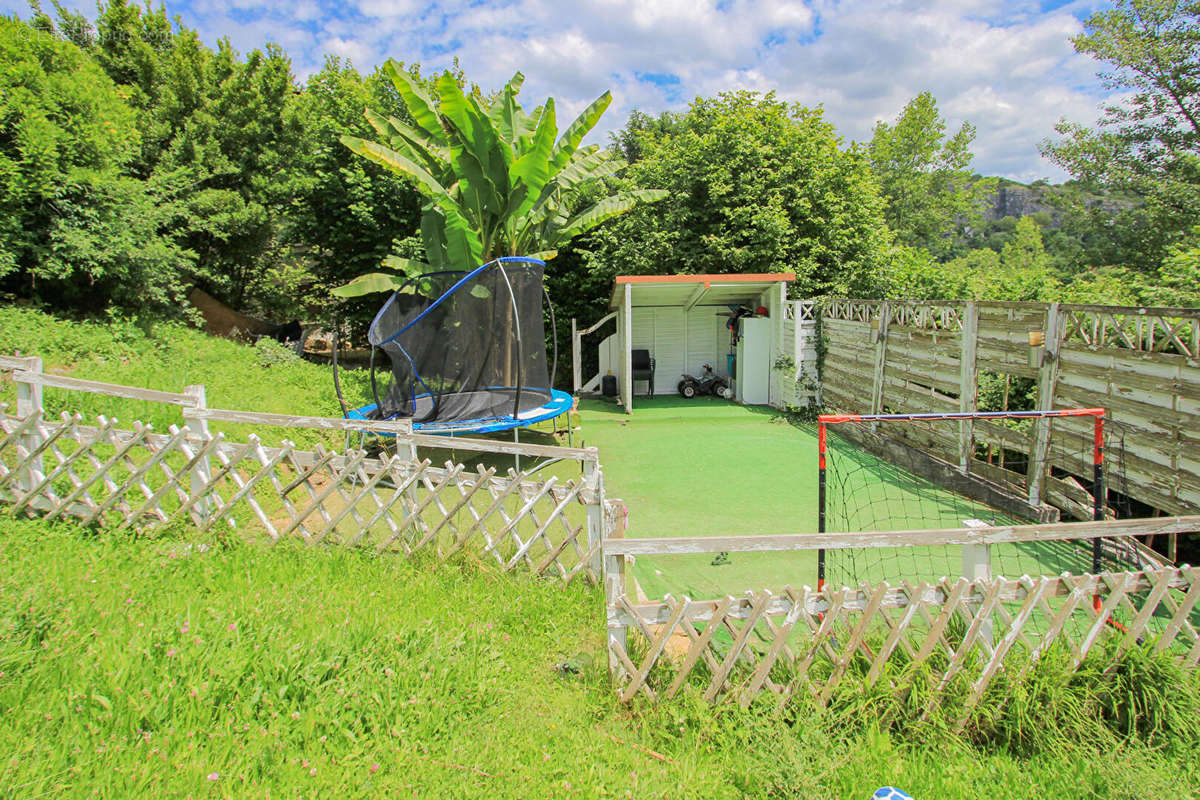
{"points": [[195, 666]]}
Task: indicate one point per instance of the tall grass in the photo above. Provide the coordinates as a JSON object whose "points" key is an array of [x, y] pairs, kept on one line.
{"points": [[147, 666]]}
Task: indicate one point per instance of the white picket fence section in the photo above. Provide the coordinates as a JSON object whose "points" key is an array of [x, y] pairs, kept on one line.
{"points": [[960, 630], [98, 473]]}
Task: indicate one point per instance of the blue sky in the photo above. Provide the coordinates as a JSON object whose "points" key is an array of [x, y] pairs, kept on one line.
{"points": [[1007, 67]]}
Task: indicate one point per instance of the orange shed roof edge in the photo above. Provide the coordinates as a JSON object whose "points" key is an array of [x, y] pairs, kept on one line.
{"points": [[733, 278]]}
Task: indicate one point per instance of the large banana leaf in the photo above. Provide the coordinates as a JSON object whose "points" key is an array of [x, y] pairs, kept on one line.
{"points": [[588, 165], [463, 244], [410, 142], [472, 128], [433, 235], [575, 132], [608, 208], [505, 112], [532, 169], [419, 104], [371, 283]]}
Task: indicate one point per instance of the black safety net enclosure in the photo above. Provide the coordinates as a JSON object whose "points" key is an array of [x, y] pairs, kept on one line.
{"points": [[463, 345]]}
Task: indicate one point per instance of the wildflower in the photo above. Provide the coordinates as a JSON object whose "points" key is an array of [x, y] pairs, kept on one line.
{"points": [[171, 653], [374, 768], [231, 627], [184, 629], [214, 776], [313, 772], [295, 715]]}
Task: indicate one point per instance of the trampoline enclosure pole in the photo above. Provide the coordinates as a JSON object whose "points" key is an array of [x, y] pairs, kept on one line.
{"points": [[516, 317]]}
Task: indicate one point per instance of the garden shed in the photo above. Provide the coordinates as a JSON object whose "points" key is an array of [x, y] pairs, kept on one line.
{"points": [[681, 322]]}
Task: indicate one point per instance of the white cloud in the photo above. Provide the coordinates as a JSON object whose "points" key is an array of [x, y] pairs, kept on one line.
{"points": [[1008, 67]]}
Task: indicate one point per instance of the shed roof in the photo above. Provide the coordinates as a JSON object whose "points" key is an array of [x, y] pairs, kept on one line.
{"points": [[693, 290]]}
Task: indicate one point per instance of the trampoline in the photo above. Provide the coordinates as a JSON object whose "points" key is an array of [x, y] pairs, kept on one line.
{"points": [[467, 351]]}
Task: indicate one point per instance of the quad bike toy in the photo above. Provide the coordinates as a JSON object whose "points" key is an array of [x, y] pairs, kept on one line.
{"points": [[708, 383]]}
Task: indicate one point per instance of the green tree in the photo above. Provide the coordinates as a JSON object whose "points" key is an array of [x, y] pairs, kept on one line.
{"points": [[757, 185], [348, 210], [234, 164], [1148, 144], [496, 181], [1178, 282], [1020, 271], [74, 231], [914, 274], [925, 177], [219, 139], [1118, 286]]}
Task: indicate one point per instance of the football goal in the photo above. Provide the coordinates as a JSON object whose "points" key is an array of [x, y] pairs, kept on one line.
{"points": [[891, 472]]}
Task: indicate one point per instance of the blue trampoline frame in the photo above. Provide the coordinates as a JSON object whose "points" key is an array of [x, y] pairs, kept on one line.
{"points": [[559, 403]]}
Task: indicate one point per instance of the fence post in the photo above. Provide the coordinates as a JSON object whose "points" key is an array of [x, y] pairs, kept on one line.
{"points": [[594, 479], [29, 403], [881, 337], [202, 473], [968, 385], [977, 567], [1047, 385], [614, 588]]}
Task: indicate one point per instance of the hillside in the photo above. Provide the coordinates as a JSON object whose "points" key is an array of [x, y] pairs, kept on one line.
{"points": [[180, 664]]}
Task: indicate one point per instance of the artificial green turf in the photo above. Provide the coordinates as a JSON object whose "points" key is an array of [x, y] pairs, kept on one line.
{"points": [[709, 467]]}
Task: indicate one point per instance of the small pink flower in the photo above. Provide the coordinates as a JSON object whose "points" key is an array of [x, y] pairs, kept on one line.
{"points": [[231, 627], [214, 776], [374, 768], [313, 772], [295, 715], [171, 653], [184, 629], [128, 600]]}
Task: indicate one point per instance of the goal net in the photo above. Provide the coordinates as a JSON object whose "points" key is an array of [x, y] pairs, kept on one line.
{"points": [[913, 472]]}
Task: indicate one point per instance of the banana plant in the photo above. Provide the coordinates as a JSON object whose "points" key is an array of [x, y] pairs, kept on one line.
{"points": [[494, 180]]}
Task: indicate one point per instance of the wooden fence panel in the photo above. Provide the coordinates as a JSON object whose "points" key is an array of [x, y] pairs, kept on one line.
{"points": [[1141, 364]]}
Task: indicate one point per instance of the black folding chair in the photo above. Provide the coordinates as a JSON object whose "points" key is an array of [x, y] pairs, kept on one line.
{"points": [[643, 368]]}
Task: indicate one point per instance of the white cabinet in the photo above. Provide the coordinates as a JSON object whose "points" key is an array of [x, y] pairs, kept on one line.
{"points": [[754, 362]]}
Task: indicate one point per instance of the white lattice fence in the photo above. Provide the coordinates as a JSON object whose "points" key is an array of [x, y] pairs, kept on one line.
{"points": [[119, 477], [808, 642]]}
